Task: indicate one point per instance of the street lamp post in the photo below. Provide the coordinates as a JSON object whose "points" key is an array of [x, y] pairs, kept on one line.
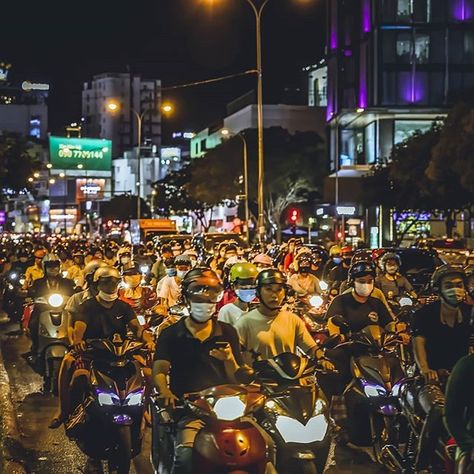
{"points": [[226, 133], [260, 195]]}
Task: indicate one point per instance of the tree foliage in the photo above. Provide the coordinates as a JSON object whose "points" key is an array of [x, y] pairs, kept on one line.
{"points": [[295, 167], [19, 159], [429, 171]]}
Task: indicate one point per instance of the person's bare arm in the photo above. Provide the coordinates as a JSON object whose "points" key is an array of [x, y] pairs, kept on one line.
{"points": [[161, 370], [419, 349]]}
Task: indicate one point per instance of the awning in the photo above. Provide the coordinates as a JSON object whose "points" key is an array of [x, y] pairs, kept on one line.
{"points": [[351, 181]]}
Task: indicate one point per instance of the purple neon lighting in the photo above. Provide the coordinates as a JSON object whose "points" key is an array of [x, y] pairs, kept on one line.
{"points": [[412, 88], [366, 16], [462, 10]]}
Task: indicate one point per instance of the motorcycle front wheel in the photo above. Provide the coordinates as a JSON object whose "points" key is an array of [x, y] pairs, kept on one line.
{"points": [[120, 463], [302, 466]]}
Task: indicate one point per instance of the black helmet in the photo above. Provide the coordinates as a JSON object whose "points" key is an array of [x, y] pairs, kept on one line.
{"points": [[390, 256], [202, 282], [270, 276], [363, 255], [442, 272], [361, 269], [304, 260]]}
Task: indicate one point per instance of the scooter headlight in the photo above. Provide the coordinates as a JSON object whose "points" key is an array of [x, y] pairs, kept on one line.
{"points": [[144, 268], [55, 300], [107, 398], [134, 398], [323, 285], [316, 301], [405, 301], [141, 319], [374, 390], [13, 276], [22, 281], [292, 431], [229, 408]]}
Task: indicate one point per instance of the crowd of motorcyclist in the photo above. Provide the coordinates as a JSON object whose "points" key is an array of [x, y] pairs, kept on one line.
{"points": [[236, 307]]}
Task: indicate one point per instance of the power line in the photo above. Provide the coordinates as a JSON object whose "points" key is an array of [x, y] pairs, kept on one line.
{"points": [[210, 81]]}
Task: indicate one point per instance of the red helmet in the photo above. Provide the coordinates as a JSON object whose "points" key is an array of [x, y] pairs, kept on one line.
{"points": [[347, 251]]}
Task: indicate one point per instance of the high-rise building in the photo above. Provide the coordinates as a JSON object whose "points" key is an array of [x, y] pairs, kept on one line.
{"points": [[133, 95], [394, 66]]}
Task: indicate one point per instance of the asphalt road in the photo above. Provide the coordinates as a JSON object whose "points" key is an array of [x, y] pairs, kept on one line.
{"points": [[50, 451]]}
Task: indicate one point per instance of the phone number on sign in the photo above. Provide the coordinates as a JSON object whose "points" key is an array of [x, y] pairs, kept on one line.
{"points": [[81, 154]]}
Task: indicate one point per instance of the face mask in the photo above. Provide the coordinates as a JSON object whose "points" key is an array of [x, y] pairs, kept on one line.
{"points": [[391, 269], [337, 260], [109, 297], [202, 312], [125, 260], [181, 273], [171, 272], [454, 296], [304, 271], [363, 289], [247, 296]]}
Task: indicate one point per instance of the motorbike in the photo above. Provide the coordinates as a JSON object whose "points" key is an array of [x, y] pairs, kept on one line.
{"points": [[108, 403], [14, 295], [229, 441], [53, 342], [295, 413], [373, 395]]}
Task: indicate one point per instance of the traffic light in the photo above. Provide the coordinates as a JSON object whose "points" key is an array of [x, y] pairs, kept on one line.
{"points": [[294, 216]]}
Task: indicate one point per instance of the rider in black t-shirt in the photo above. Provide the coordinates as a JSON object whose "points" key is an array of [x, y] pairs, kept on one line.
{"points": [[441, 336]]}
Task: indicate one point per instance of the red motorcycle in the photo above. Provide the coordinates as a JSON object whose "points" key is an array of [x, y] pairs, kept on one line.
{"points": [[230, 440]]}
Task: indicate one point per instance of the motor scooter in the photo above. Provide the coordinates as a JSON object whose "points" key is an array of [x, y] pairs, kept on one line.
{"points": [[53, 342], [230, 441], [108, 402], [295, 414]]}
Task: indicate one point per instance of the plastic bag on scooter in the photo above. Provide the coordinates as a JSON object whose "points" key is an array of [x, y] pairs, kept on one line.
{"points": [[76, 424]]}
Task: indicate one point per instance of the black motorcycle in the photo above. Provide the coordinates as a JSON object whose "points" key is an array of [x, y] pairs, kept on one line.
{"points": [[295, 413], [13, 295], [107, 423], [373, 395]]}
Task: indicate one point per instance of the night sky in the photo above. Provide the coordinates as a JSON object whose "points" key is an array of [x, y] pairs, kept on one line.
{"points": [[178, 41]]}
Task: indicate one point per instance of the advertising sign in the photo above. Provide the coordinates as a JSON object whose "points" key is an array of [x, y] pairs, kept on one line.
{"points": [[89, 189], [89, 154]]}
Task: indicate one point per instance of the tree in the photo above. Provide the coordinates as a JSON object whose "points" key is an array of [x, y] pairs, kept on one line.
{"points": [[19, 159], [295, 166], [173, 197]]}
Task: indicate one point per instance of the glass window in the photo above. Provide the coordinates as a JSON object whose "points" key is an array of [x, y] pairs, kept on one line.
{"points": [[422, 49], [468, 46], [35, 126], [404, 9], [404, 42], [404, 129], [369, 145]]}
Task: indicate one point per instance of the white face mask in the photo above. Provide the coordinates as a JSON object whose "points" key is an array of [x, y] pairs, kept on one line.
{"points": [[202, 312], [109, 297], [181, 273], [454, 296], [363, 289]]}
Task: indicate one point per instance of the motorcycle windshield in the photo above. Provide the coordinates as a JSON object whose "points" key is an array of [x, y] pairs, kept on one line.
{"points": [[384, 370], [297, 402]]}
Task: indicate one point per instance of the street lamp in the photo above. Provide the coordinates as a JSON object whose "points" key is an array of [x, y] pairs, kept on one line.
{"points": [[258, 10], [114, 107], [226, 133]]}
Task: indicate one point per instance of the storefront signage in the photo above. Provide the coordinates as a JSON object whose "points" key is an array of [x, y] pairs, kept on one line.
{"points": [[87, 154], [89, 189], [32, 86]]}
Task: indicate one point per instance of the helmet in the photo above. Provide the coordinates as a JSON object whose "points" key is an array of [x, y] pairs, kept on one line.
{"points": [[390, 256], [202, 282], [347, 251], [270, 276], [50, 260], [263, 259], [377, 253], [123, 250], [335, 250], [305, 260], [243, 272], [182, 260], [361, 269], [106, 272], [442, 272], [92, 267], [362, 256]]}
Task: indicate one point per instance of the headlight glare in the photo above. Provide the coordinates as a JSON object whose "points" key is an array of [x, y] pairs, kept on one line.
{"points": [[292, 431], [229, 408], [55, 300]]}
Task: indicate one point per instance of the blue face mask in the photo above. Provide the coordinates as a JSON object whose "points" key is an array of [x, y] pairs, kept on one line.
{"points": [[247, 296], [171, 272], [337, 260]]}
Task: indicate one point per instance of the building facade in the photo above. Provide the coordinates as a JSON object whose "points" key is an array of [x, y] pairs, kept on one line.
{"points": [[133, 95], [294, 118], [394, 67]]}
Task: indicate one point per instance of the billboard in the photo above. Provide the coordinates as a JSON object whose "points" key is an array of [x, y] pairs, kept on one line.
{"points": [[89, 189], [89, 154]]}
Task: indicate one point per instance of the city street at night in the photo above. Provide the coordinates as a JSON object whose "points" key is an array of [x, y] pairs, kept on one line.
{"points": [[237, 236]]}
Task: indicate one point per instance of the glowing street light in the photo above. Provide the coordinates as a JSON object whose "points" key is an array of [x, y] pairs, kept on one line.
{"points": [[61, 175], [167, 108], [30, 180], [49, 166], [80, 166], [113, 106], [36, 175], [52, 181]]}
